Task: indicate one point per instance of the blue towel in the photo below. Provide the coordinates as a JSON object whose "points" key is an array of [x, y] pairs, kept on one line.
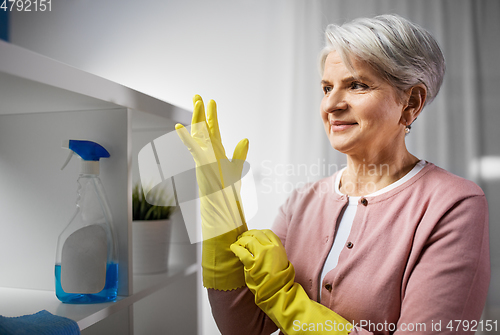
{"points": [[41, 323]]}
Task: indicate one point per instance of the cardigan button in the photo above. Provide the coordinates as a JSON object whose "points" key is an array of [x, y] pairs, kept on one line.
{"points": [[349, 245], [364, 202], [328, 287]]}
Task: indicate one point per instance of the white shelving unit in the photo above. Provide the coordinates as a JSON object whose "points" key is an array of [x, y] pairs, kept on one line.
{"points": [[16, 302], [42, 103]]}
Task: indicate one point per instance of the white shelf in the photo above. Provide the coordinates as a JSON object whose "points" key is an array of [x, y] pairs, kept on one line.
{"points": [[33, 83], [16, 302], [43, 101]]}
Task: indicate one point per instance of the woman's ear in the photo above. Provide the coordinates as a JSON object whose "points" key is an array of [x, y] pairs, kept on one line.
{"points": [[416, 101]]}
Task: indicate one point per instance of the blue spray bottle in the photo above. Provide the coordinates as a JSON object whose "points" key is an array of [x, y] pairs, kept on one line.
{"points": [[87, 253]]}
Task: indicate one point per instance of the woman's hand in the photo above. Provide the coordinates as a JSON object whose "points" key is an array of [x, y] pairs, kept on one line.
{"points": [[271, 278], [205, 145], [216, 175], [219, 190], [267, 268]]}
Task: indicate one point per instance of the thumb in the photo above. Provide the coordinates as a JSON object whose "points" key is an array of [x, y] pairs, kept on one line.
{"points": [[240, 155], [243, 254], [241, 150]]}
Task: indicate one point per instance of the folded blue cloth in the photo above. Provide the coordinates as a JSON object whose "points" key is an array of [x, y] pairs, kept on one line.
{"points": [[41, 323]]}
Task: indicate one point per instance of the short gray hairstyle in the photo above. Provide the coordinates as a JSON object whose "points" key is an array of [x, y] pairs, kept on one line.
{"points": [[402, 52]]}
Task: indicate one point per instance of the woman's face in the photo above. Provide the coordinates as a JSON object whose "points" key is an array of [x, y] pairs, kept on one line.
{"points": [[363, 116]]}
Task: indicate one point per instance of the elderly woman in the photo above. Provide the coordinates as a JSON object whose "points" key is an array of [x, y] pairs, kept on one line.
{"points": [[391, 244]]}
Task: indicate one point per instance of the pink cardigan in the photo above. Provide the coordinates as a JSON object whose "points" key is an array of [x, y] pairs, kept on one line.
{"points": [[416, 254]]}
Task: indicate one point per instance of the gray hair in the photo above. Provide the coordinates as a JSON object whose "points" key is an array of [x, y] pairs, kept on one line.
{"points": [[402, 52]]}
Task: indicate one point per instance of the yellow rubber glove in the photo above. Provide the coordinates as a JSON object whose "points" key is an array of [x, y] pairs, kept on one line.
{"points": [[219, 187], [270, 276]]}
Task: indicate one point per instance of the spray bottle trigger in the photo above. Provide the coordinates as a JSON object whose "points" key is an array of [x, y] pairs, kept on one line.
{"points": [[67, 160]]}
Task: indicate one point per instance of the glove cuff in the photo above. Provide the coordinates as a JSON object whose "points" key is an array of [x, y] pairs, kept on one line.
{"points": [[286, 302], [222, 270]]}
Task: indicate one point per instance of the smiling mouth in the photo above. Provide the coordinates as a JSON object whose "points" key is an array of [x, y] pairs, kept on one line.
{"points": [[337, 126]]}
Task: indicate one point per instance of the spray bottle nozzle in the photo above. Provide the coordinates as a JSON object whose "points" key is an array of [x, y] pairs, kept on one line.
{"points": [[89, 151]]}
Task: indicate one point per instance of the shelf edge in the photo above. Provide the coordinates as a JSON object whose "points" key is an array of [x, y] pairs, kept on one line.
{"points": [[29, 65], [124, 302]]}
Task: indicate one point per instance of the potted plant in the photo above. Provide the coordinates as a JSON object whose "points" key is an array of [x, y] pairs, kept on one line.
{"points": [[151, 230]]}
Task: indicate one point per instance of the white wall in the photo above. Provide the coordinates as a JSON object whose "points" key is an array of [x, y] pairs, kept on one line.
{"points": [[235, 52]]}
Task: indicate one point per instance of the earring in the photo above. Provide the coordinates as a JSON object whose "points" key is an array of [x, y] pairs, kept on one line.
{"points": [[407, 129]]}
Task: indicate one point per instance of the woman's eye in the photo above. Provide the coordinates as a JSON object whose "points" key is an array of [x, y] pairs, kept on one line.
{"points": [[326, 89], [358, 86]]}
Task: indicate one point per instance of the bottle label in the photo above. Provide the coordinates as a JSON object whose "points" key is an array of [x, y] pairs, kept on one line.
{"points": [[83, 261]]}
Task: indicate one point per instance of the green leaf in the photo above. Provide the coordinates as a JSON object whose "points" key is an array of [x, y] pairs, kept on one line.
{"points": [[142, 210]]}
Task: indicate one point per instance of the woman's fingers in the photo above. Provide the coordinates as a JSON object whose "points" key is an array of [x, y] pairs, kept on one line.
{"points": [[253, 236], [198, 112], [185, 137], [199, 127], [213, 122], [239, 157], [272, 237], [240, 152], [205, 129], [198, 121], [243, 254]]}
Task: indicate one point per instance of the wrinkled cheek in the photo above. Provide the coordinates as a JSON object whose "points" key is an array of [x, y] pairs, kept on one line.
{"points": [[326, 126], [326, 123], [322, 114]]}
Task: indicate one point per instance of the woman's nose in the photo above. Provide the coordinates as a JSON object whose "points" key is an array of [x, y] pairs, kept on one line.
{"points": [[334, 102]]}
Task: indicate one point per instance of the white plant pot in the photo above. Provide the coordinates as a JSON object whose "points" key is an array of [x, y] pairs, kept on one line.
{"points": [[150, 243]]}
